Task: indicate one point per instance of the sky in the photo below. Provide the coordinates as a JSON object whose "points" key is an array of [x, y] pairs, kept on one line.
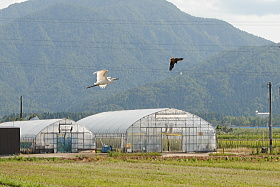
{"points": [[258, 17]]}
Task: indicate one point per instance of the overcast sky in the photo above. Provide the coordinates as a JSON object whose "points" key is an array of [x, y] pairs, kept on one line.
{"points": [[258, 17]]}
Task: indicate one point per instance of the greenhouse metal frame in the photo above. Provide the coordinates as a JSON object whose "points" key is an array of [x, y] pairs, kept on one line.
{"points": [[152, 130], [52, 136]]}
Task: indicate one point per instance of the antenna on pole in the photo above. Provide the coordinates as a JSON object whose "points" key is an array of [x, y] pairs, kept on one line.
{"points": [[20, 116]]}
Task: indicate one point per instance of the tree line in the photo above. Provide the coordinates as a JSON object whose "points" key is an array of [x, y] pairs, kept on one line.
{"points": [[214, 118]]}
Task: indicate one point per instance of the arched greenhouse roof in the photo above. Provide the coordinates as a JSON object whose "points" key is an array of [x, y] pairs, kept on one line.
{"points": [[120, 121], [31, 128], [115, 121]]}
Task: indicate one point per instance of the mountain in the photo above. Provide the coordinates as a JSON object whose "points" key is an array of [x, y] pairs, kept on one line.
{"points": [[49, 49]]}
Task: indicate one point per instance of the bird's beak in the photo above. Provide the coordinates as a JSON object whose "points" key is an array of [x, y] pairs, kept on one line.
{"points": [[117, 79]]}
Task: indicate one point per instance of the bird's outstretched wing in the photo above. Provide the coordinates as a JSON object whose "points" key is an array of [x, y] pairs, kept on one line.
{"points": [[179, 59], [101, 75], [174, 61], [171, 66], [91, 86]]}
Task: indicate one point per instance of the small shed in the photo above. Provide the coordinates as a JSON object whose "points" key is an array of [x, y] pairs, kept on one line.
{"points": [[9, 140]]}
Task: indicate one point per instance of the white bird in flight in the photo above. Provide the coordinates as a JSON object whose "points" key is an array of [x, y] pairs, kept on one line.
{"points": [[102, 79]]}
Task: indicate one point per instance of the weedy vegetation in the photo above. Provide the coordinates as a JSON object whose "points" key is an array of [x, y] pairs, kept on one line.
{"points": [[248, 140]]}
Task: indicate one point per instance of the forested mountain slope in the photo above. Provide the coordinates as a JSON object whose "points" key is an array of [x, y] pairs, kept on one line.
{"points": [[231, 83], [49, 49]]}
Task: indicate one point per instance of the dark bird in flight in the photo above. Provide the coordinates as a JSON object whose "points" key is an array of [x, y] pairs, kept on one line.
{"points": [[174, 61]]}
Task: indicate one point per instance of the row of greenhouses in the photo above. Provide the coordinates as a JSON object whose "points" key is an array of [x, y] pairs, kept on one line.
{"points": [[144, 130]]}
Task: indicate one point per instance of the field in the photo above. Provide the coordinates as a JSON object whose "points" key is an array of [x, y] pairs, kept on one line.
{"points": [[141, 170], [238, 162], [253, 140]]}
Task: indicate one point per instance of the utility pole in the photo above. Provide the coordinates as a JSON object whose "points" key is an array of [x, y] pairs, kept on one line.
{"points": [[270, 116]]}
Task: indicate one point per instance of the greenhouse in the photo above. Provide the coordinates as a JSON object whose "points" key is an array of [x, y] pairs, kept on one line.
{"points": [[151, 130], [52, 136]]}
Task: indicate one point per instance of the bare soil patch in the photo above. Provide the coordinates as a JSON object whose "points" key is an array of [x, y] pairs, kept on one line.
{"points": [[89, 154]]}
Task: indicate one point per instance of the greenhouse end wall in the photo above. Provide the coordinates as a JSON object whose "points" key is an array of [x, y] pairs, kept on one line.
{"points": [[63, 136], [171, 131]]}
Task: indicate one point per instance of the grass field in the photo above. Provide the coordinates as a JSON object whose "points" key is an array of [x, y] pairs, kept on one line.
{"points": [[141, 171], [239, 162]]}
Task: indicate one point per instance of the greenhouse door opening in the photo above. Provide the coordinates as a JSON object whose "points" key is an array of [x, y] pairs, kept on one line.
{"points": [[158, 140], [171, 142], [64, 143], [64, 138]]}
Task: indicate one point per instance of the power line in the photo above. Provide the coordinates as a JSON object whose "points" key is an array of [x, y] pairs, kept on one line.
{"points": [[21, 41], [112, 22], [125, 69], [133, 22], [259, 88], [144, 47]]}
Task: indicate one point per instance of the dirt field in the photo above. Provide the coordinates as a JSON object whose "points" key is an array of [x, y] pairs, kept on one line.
{"points": [[88, 154]]}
